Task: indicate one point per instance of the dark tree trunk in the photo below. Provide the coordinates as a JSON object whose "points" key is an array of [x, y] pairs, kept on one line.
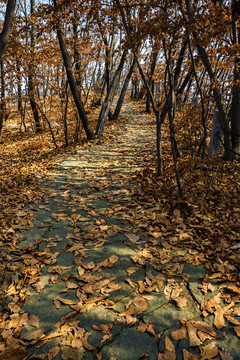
{"points": [[215, 86], [109, 98], [235, 111], [73, 85], [150, 80], [2, 102], [77, 60], [124, 90], [7, 26], [31, 85]]}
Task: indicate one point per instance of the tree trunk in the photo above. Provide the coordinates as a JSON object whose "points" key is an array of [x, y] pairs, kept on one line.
{"points": [[7, 26], [2, 102], [77, 60], [235, 111], [215, 86], [31, 85], [73, 85], [150, 80], [124, 90], [109, 98]]}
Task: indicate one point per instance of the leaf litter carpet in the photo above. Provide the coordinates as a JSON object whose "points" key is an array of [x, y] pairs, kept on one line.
{"points": [[96, 286]]}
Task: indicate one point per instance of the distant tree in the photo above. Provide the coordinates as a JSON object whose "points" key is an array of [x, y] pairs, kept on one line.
{"points": [[7, 26]]}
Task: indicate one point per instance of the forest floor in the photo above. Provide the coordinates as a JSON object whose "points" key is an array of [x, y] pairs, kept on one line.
{"points": [[105, 267]]}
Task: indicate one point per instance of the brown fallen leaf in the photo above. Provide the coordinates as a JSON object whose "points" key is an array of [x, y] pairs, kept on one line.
{"points": [[135, 306], [219, 321], [207, 307], [189, 356], [104, 328], [131, 283], [33, 335], [234, 288], [14, 308], [65, 301], [53, 352], [209, 351], [179, 334], [23, 320], [76, 343], [172, 290], [131, 320], [58, 269], [133, 238], [181, 301], [86, 344], [195, 330], [39, 286], [192, 335], [131, 270], [57, 303], [205, 287], [237, 330], [33, 320], [14, 353], [71, 285], [170, 353], [148, 327], [104, 339], [232, 319]]}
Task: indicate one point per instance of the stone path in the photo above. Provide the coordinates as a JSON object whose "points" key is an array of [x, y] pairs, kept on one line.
{"points": [[101, 281]]}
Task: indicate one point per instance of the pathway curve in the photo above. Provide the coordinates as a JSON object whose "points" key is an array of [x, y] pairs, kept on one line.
{"points": [[105, 287]]}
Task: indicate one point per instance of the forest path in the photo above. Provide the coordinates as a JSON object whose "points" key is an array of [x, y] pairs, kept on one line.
{"points": [[106, 288]]}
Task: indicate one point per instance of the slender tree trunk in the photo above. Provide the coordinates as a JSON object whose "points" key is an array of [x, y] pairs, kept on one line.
{"points": [[124, 90], [171, 104], [19, 86], [109, 98], [202, 146], [31, 85], [7, 26], [215, 86], [2, 101], [65, 117], [150, 80], [235, 111], [77, 60], [73, 85]]}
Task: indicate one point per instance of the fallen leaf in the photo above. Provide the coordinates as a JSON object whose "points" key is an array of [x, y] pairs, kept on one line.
{"points": [[219, 321], [179, 334], [170, 353], [131, 270], [65, 301], [189, 356], [34, 335], [181, 301], [209, 351], [13, 353], [133, 238], [131, 320], [53, 352], [33, 320], [39, 286], [136, 306], [148, 327], [131, 283], [237, 330], [206, 287]]}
